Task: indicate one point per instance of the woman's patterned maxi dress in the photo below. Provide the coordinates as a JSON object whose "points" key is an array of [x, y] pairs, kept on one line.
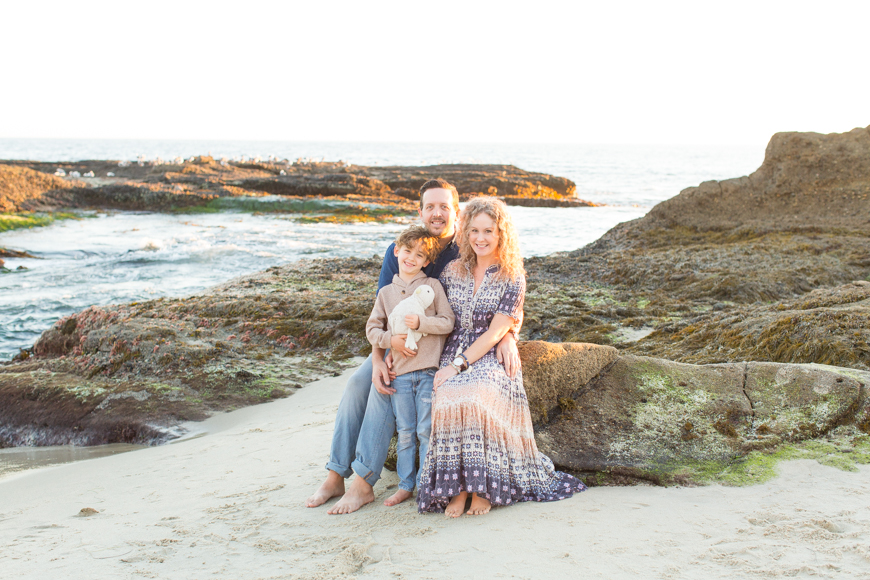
{"points": [[482, 439]]}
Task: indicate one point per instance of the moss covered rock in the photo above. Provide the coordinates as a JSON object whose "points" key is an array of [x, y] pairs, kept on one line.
{"points": [[655, 420]]}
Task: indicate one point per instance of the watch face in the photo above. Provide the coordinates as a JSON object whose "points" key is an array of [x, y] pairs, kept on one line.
{"points": [[458, 361]]}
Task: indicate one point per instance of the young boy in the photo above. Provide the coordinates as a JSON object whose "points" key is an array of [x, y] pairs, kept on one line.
{"points": [[412, 401]]}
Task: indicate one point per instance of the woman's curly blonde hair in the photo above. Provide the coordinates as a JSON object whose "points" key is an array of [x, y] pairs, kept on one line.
{"points": [[508, 249]]}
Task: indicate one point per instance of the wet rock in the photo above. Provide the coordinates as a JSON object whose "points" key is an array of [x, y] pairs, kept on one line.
{"points": [[552, 373], [663, 422], [547, 202], [7, 253], [328, 185]]}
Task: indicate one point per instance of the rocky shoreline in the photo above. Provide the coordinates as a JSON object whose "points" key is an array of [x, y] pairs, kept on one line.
{"points": [[206, 184], [710, 299]]}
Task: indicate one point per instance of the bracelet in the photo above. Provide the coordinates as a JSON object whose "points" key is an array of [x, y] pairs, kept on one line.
{"points": [[465, 358]]}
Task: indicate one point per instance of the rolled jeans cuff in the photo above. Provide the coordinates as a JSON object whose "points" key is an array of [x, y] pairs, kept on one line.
{"points": [[343, 471], [364, 472]]}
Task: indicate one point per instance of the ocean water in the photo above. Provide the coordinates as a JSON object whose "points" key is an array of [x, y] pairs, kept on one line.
{"points": [[117, 257]]}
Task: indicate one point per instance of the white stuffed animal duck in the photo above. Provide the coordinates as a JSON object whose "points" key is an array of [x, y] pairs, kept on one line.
{"points": [[416, 303]]}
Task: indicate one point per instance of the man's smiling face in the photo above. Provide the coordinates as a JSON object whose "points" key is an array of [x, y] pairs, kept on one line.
{"points": [[438, 213]]}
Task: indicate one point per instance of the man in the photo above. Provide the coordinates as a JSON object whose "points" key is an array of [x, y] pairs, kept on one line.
{"points": [[439, 210]]}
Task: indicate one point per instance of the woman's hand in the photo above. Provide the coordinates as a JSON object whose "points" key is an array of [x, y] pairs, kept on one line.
{"points": [[442, 375], [412, 321], [508, 355]]}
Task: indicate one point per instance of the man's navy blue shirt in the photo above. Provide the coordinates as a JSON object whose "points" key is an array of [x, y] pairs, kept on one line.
{"points": [[390, 267]]}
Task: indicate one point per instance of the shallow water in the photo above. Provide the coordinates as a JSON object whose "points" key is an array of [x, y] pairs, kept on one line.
{"points": [[18, 459]]}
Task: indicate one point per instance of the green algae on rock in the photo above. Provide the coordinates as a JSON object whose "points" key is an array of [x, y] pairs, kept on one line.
{"points": [[670, 423]]}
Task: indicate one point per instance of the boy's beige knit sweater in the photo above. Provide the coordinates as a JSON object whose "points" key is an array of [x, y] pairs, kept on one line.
{"points": [[437, 323]]}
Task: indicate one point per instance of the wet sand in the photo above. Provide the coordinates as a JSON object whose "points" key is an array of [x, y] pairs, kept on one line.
{"points": [[230, 505]]}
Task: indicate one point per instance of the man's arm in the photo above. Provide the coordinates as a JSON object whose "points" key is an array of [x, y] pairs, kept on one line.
{"points": [[378, 333], [381, 372]]}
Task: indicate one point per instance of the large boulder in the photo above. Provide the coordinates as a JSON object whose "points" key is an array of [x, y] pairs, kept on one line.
{"points": [[552, 372], [661, 421]]}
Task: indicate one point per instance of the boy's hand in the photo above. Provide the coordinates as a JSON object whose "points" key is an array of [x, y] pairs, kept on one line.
{"points": [[413, 321], [381, 377], [397, 345]]}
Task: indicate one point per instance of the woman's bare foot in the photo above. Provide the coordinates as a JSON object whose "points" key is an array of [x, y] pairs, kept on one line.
{"points": [[332, 487], [479, 505], [456, 506], [359, 494], [398, 497]]}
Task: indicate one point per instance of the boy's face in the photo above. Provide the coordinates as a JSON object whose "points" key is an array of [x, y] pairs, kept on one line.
{"points": [[411, 260]]}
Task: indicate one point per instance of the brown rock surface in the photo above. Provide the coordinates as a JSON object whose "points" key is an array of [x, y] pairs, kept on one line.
{"points": [[21, 184], [807, 180], [553, 372]]}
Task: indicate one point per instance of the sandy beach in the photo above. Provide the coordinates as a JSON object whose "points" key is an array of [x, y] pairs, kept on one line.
{"points": [[229, 504]]}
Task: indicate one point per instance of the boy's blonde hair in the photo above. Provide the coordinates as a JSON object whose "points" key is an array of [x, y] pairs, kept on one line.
{"points": [[428, 242]]}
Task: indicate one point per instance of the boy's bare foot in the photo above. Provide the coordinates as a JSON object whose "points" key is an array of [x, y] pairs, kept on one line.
{"points": [[332, 487], [456, 506], [398, 497], [479, 505], [359, 494]]}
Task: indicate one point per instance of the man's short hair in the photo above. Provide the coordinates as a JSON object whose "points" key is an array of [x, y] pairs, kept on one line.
{"points": [[428, 242], [439, 183]]}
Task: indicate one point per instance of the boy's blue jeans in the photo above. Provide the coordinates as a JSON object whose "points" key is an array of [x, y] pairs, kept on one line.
{"points": [[409, 411]]}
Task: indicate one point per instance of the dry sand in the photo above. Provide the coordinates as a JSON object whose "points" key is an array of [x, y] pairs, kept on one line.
{"points": [[230, 505]]}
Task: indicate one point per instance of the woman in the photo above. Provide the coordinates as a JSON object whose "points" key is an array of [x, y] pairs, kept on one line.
{"points": [[482, 440]]}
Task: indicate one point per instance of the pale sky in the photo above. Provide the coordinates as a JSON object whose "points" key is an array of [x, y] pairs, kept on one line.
{"points": [[653, 72]]}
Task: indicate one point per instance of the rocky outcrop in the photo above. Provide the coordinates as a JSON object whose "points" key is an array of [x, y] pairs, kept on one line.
{"points": [[197, 182], [807, 181]]}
